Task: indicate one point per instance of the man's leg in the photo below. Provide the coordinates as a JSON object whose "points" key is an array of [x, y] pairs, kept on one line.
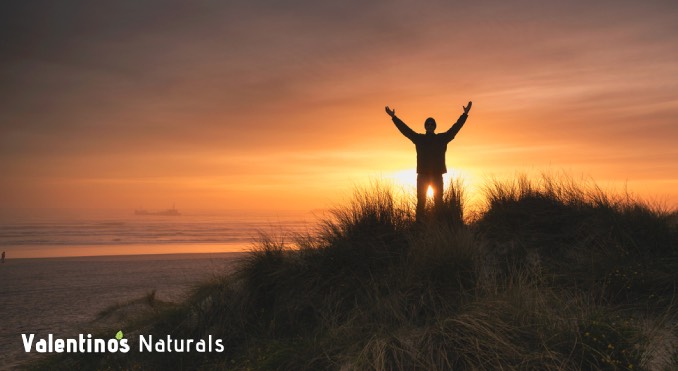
{"points": [[422, 187], [437, 186]]}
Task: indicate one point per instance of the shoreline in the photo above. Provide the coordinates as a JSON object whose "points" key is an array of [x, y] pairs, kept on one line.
{"points": [[16, 252], [143, 256]]}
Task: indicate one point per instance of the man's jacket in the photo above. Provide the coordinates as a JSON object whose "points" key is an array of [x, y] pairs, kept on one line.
{"points": [[431, 147]]}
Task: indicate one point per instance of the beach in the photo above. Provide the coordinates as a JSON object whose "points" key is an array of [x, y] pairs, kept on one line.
{"points": [[64, 296], [63, 267]]}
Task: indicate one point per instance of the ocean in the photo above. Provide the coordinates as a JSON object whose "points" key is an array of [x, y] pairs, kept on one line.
{"points": [[63, 268], [58, 233]]}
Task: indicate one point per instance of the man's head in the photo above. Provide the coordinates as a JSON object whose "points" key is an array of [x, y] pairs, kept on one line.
{"points": [[430, 125]]}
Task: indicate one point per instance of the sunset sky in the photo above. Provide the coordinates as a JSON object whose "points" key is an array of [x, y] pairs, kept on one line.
{"points": [[268, 105]]}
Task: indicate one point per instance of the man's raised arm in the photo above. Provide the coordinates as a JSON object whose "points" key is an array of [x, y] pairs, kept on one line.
{"points": [[409, 133], [452, 132]]}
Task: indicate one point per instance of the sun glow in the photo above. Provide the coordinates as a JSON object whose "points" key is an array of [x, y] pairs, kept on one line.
{"points": [[404, 178], [408, 178], [429, 193]]}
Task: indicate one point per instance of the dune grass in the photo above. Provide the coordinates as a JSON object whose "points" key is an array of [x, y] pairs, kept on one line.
{"points": [[552, 274]]}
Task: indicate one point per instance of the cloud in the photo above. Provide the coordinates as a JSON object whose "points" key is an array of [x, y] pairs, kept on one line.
{"points": [[120, 87]]}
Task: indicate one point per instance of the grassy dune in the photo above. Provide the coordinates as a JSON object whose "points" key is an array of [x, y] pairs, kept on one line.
{"points": [[552, 274]]}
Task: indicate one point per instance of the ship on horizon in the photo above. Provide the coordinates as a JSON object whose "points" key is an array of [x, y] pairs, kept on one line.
{"points": [[168, 212]]}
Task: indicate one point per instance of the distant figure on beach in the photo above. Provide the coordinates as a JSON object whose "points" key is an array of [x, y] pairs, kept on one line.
{"points": [[2, 260], [431, 148]]}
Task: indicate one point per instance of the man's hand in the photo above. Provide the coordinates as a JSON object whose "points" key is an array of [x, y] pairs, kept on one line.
{"points": [[391, 112], [466, 109]]}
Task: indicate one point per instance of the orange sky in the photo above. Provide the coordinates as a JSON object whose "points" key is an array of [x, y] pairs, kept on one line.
{"points": [[280, 105]]}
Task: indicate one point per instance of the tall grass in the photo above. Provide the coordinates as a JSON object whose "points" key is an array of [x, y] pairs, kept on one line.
{"points": [[553, 274], [584, 235]]}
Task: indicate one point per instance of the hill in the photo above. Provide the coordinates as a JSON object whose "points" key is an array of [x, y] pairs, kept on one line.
{"points": [[552, 274]]}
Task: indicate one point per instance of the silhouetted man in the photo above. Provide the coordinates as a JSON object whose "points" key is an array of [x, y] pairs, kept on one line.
{"points": [[431, 149]]}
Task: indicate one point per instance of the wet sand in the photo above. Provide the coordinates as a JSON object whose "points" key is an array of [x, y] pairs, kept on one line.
{"points": [[62, 296]]}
